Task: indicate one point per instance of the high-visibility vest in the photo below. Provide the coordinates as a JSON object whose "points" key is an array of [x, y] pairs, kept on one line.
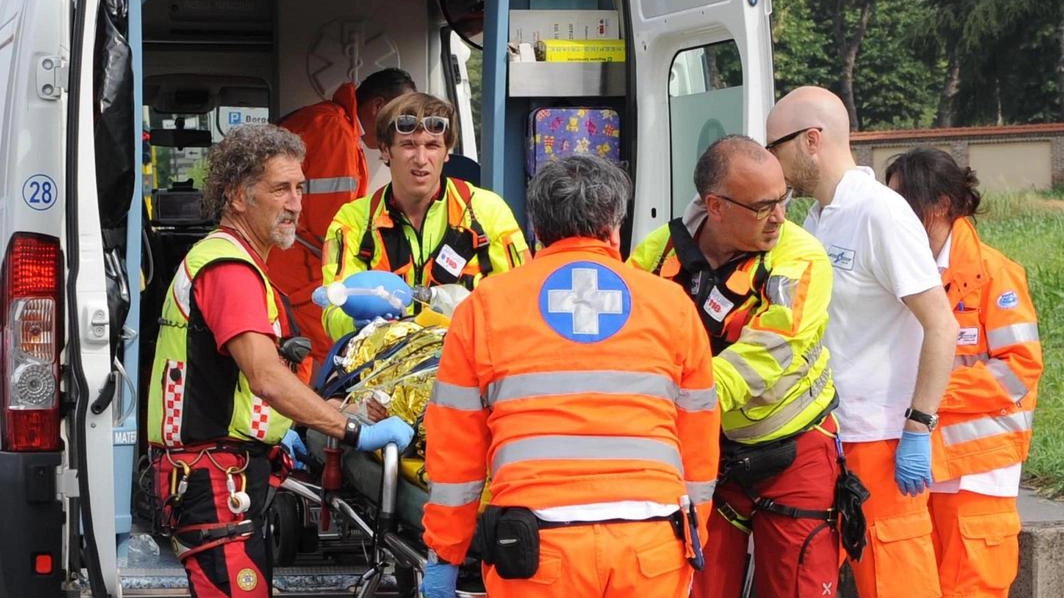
{"points": [[467, 234], [336, 174], [573, 381], [986, 412], [765, 313], [196, 394]]}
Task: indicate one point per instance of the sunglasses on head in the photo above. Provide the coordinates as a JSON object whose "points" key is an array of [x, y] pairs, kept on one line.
{"points": [[433, 125]]}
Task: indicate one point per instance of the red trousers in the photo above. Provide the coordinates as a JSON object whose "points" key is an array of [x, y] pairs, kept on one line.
{"points": [[238, 568], [793, 557], [976, 543], [640, 559], [899, 560]]}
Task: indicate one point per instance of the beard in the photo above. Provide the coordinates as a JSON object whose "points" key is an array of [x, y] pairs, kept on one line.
{"points": [[282, 236], [805, 177]]}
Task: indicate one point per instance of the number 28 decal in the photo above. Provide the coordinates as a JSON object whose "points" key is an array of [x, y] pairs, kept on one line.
{"points": [[40, 192]]}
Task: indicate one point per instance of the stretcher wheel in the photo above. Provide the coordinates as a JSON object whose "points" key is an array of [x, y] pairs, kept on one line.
{"points": [[285, 523]]}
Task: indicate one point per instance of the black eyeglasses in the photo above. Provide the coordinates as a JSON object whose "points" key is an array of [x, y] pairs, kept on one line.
{"points": [[433, 125], [788, 137], [763, 210]]}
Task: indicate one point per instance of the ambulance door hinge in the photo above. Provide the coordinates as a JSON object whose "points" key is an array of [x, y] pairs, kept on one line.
{"points": [[53, 77]]}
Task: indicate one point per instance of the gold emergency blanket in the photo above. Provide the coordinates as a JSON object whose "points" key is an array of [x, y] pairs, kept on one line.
{"points": [[397, 363]]}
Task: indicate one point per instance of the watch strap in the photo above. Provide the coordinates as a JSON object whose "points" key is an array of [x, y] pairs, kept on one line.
{"points": [[352, 430]]}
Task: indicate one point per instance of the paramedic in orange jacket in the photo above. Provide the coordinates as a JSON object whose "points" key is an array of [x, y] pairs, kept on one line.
{"points": [[336, 133], [984, 428], [583, 388]]}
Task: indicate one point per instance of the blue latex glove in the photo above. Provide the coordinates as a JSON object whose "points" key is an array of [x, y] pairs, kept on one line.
{"points": [[912, 463], [393, 429], [295, 447], [439, 581]]}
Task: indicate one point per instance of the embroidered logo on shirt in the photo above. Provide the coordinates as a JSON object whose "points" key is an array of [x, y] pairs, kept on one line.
{"points": [[585, 302], [449, 259], [841, 257], [1008, 300], [717, 305], [968, 336]]}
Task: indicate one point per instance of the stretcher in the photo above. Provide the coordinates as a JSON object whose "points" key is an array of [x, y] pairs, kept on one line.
{"points": [[382, 494]]}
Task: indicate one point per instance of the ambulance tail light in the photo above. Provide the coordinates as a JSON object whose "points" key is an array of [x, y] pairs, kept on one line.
{"points": [[32, 329]]}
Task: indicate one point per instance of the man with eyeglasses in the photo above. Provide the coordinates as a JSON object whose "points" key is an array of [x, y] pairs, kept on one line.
{"points": [[425, 227], [761, 285], [892, 335]]}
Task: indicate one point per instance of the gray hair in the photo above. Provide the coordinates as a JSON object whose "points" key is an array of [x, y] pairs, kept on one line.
{"points": [[239, 161], [578, 196], [712, 168]]}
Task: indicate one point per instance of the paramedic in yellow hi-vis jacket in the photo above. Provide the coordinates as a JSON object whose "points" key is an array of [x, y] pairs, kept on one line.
{"points": [[425, 227], [223, 392], [762, 286]]}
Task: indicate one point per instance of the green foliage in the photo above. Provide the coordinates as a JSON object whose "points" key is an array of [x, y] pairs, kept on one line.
{"points": [[1008, 50]]}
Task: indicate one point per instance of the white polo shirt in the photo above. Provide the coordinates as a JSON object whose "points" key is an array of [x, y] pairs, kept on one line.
{"points": [[880, 254]]}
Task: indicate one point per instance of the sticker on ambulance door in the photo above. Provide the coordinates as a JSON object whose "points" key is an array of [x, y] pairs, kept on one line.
{"points": [[40, 192]]}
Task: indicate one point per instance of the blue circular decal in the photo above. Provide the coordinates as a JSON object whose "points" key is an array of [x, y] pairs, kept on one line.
{"points": [[40, 192], [585, 302]]}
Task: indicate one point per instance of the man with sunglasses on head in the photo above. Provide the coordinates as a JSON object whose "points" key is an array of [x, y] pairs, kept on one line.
{"points": [[761, 285], [427, 228], [892, 335], [340, 136]]}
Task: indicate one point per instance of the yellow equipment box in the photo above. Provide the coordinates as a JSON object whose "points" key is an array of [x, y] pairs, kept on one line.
{"points": [[580, 50]]}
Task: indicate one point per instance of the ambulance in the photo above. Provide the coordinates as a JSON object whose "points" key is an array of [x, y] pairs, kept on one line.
{"points": [[107, 110]]}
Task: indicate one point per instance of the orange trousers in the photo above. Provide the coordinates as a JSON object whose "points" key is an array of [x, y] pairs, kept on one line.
{"points": [[613, 560], [899, 560], [977, 543]]}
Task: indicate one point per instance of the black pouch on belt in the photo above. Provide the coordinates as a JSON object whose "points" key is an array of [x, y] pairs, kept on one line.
{"points": [[750, 464], [850, 494], [515, 550]]}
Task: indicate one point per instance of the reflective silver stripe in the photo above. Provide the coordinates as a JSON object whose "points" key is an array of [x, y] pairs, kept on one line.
{"points": [[785, 383], [1011, 335], [586, 447], [767, 425], [455, 495], [701, 492], [774, 344], [780, 290], [987, 427], [330, 185], [697, 400], [963, 361], [464, 398], [1007, 379], [523, 386]]}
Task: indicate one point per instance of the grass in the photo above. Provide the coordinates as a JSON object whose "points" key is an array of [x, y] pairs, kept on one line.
{"points": [[1029, 228]]}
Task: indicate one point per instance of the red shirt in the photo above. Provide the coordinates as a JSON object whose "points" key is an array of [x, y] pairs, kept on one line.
{"points": [[231, 297]]}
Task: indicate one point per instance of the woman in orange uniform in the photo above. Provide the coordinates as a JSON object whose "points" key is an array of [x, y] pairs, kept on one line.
{"points": [[984, 429]]}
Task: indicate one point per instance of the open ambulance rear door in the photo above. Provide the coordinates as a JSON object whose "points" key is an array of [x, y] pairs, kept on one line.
{"points": [[55, 449]]}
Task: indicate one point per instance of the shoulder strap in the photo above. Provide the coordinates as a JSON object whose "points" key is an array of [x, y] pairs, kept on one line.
{"points": [[365, 249], [687, 250], [481, 242]]}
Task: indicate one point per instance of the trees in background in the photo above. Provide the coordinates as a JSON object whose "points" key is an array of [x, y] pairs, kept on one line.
{"points": [[921, 63]]}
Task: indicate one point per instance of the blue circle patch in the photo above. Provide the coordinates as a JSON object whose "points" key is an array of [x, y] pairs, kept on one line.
{"points": [[40, 192], [585, 302]]}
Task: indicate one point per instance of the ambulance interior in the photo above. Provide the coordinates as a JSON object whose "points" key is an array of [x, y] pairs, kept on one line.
{"points": [[209, 66]]}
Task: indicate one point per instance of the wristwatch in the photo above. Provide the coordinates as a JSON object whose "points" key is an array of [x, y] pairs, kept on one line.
{"points": [[928, 419], [351, 431]]}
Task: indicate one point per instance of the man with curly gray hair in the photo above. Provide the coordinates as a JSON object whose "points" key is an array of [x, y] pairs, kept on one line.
{"points": [[223, 381]]}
